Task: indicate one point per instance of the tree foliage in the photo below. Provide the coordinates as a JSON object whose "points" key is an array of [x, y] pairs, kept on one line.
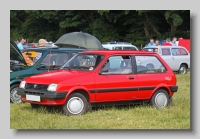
{"points": [[135, 26]]}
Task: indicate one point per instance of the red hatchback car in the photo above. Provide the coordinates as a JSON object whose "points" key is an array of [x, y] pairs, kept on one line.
{"points": [[99, 77]]}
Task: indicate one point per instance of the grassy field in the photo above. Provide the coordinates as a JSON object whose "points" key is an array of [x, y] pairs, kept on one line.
{"points": [[177, 116]]}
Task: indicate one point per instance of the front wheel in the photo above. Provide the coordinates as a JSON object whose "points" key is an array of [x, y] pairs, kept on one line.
{"points": [[182, 69], [14, 97], [76, 104], [160, 99]]}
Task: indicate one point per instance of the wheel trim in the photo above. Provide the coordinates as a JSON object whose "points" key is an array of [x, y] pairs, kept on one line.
{"points": [[75, 105], [14, 96], [161, 100], [182, 70]]}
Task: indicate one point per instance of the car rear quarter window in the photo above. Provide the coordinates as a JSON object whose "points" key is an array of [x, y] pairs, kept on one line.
{"points": [[183, 51], [149, 64]]}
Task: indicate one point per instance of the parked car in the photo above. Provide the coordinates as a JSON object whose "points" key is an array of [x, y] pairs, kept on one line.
{"points": [[119, 46], [177, 57], [93, 78], [22, 64]]}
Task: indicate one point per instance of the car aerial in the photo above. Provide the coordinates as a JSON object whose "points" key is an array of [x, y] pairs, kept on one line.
{"points": [[119, 46], [23, 64], [177, 57], [93, 78]]}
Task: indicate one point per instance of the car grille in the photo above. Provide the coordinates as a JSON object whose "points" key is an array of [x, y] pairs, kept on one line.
{"points": [[36, 86]]}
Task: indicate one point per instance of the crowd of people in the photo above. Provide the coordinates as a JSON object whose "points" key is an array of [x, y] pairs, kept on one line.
{"points": [[166, 43], [21, 41]]}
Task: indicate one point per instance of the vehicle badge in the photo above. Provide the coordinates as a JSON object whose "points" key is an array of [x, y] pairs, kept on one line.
{"points": [[35, 85]]}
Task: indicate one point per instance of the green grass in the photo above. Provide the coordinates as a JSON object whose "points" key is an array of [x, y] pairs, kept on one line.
{"points": [[177, 116]]}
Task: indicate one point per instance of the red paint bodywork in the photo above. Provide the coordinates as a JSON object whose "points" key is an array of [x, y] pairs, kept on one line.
{"points": [[71, 81]]}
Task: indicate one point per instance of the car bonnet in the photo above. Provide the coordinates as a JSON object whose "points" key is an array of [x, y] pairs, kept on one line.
{"points": [[15, 53]]}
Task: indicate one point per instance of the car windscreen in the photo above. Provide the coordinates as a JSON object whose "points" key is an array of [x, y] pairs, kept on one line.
{"points": [[87, 62]]}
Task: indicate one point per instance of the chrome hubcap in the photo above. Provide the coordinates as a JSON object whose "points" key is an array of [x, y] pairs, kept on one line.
{"points": [[182, 70], [75, 105], [14, 96], [161, 100]]}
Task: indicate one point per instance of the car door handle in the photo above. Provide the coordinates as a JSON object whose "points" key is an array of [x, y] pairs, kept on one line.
{"points": [[130, 77]]}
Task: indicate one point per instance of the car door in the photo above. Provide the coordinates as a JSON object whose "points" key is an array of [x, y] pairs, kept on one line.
{"points": [[168, 57], [118, 82], [51, 61], [149, 77]]}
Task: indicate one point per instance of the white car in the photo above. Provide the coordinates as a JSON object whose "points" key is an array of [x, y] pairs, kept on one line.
{"points": [[177, 57], [119, 46]]}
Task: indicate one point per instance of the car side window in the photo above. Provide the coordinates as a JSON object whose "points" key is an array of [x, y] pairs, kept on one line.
{"points": [[54, 60], [183, 51], [117, 48], [129, 48], [118, 65], [176, 51], [166, 51], [149, 64]]}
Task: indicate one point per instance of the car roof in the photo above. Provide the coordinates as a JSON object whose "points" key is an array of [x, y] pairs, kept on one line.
{"points": [[116, 52], [42, 49], [116, 43], [164, 47]]}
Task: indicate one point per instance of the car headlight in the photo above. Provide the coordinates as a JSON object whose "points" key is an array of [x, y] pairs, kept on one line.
{"points": [[22, 84], [52, 87]]}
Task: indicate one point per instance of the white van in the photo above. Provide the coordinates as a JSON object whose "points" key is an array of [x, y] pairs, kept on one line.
{"points": [[177, 57], [119, 46]]}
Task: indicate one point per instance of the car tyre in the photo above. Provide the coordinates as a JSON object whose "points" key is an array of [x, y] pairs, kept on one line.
{"points": [[76, 104], [14, 97], [171, 101], [182, 69], [160, 99], [35, 106]]}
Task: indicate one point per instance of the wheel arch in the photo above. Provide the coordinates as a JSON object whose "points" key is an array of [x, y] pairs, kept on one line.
{"points": [[15, 82], [161, 87], [183, 63], [81, 91]]}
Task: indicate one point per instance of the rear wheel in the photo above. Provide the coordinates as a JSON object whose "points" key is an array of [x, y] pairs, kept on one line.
{"points": [[14, 97], [76, 104], [182, 69], [160, 99]]}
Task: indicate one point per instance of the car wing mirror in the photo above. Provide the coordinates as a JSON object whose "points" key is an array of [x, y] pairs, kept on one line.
{"points": [[41, 66]]}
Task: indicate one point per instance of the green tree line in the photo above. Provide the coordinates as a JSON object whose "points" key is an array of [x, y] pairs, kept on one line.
{"points": [[135, 26]]}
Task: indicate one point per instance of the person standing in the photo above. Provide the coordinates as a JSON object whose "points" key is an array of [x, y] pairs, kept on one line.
{"points": [[174, 41], [157, 43], [167, 43], [20, 44], [41, 43], [151, 43]]}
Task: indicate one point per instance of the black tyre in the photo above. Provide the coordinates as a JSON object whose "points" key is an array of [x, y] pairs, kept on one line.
{"points": [[182, 69], [76, 104], [14, 97], [35, 106], [160, 99], [170, 101]]}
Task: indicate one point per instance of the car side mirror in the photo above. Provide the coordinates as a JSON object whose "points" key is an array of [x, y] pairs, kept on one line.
{"points": [[103, 70], [41, 66]]}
